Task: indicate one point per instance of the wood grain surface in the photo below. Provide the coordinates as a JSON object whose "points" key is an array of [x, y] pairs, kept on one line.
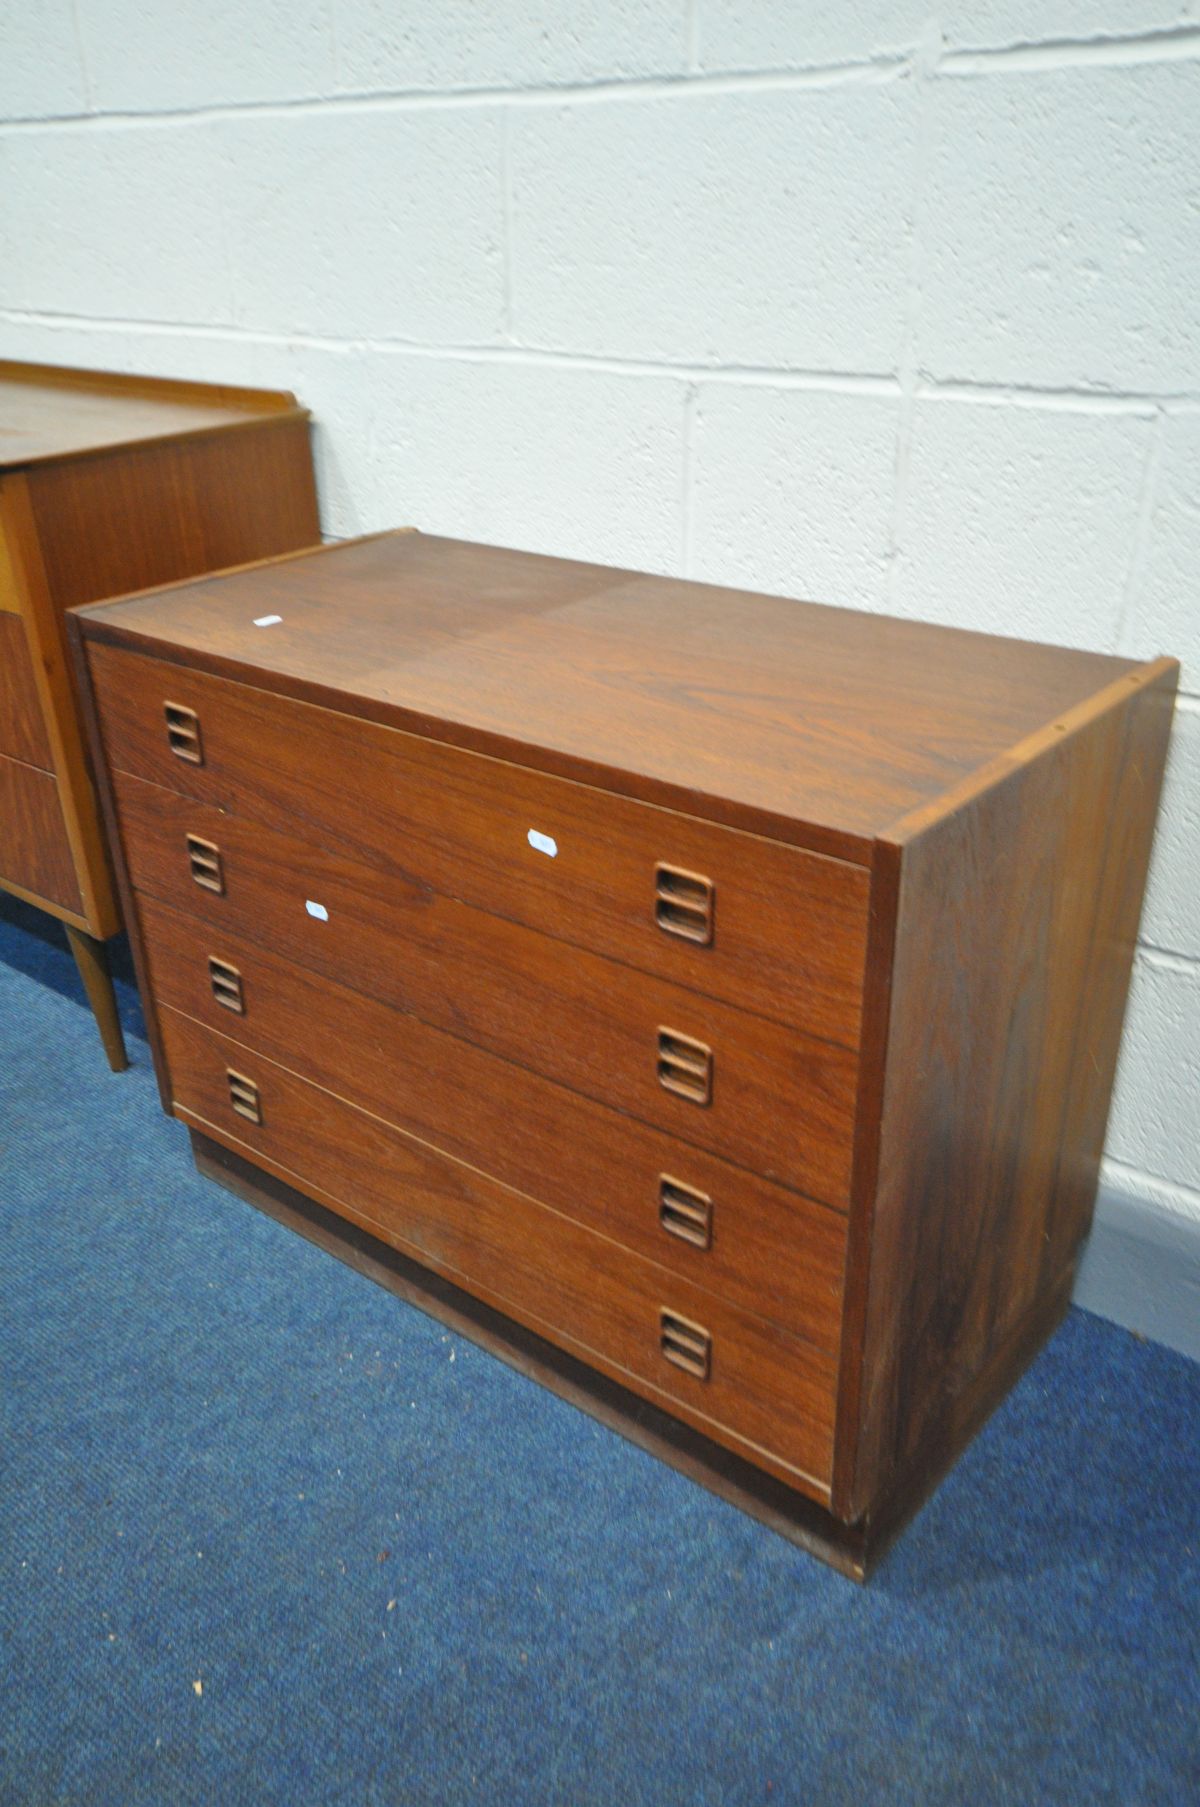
{"points": [[915, 857], [587, 1162], [22, 730], [767, 1392], [152, 514], [49, 412], [742, 1483], [1014, 943], [460, 823], [109, 483], [35, 854], [782, 1102], [814, 725]]}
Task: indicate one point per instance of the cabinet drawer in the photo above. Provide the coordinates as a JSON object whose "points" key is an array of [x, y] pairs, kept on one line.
{"points": [[778, 1102], [740, 1379], [35, 854], [22, 730], [760, 1246], [758, 924]]}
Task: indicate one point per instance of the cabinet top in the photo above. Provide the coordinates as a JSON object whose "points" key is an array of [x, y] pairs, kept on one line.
{"points": [[48, 412], [818, 725]]}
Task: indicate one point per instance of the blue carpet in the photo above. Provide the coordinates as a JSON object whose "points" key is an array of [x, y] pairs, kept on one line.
{"points": [[268, 1535]]}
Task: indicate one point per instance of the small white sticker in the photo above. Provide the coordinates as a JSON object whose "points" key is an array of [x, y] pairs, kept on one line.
{"points": [[544, 843], [267, 620], [316, 909]]}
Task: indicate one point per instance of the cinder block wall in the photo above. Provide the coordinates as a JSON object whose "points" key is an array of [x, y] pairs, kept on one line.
{"points": [[861, 301]]}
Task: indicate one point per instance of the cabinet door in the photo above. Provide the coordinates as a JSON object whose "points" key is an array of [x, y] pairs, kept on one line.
{"points": [[22, 730], [51, 844], [35, 855]]}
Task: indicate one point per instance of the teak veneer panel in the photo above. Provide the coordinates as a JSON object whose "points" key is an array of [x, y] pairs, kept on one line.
{"points": [[107, 484], [50, 412], [811, 724], [460, 822], [586, 1161], [980, 810], [996, 1088], [151, 514], [782, 1103], [10, 595], [22, 730], [35, 854], [768, 1393]]}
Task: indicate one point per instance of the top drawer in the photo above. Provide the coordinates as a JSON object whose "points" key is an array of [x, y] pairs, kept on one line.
{"points": [[751, 921]]}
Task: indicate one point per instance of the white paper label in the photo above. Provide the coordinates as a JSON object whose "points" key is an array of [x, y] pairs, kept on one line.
{"points": [[544, 843], [267, 620], [316, 909]]}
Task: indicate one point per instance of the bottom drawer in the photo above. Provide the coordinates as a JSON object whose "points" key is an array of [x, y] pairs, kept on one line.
{"points": [[34, 851], [742, 1381]]}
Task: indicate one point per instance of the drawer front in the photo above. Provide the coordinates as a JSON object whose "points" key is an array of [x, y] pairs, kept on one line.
{"points": [[778, 1102], [760, 925], [35, 854], [22, 730], [761, 1247], [735, 1376]]}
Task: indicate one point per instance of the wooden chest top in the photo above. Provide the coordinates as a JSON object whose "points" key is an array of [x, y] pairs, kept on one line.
{"points": [[48, 413], [819, 725]]}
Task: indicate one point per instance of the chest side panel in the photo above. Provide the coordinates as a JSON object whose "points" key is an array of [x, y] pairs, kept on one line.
{"points": [[1016, 923]]}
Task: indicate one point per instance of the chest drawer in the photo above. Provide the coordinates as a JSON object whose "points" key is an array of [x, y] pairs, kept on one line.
{"points": [[760, 1246], [22, 730], [35, 853], [751, 921], [765, 1097], [744, 1381]]}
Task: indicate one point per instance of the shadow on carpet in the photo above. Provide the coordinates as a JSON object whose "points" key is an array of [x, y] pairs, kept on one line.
{"points": [[269, 1535]]}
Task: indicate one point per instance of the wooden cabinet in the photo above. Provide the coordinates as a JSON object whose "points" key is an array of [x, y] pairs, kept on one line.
{"points": [[110, 484], [708, 1001]]}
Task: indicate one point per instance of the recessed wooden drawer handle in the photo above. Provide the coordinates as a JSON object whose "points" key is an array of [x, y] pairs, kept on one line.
{"points": [[183, 733], [684, 903], [685, 1067], [243, 1096], [686, 1344], [684, 1212], [226, 982], [204, 858]]}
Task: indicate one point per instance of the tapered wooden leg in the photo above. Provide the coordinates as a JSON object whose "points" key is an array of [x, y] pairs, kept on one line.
{"points": [[91, 957]]}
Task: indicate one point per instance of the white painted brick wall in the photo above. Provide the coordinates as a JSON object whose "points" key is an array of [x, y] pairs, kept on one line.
{"points": [[1164, 603], [1171, 917], [41, 72], [373, 225], [1060, 228], [569, 455], [1019, 520], [885, 303], [797, 482], [150, 55], [743, 228], [80, 211], [463, 44]]}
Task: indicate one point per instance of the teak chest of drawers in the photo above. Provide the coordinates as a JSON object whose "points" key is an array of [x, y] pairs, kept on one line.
{"points": [[109, 484], [709, 1001]]}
